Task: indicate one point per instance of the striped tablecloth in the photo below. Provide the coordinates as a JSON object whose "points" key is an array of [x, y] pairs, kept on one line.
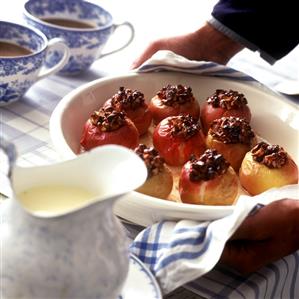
{"points": [[25, 123]]}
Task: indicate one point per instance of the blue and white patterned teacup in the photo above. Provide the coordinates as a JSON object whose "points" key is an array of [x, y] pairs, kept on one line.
{"points": [[23, 51], [85, 39]]}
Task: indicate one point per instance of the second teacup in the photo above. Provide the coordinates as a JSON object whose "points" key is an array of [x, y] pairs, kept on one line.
{"points": [[85, 27], [23, 51]]}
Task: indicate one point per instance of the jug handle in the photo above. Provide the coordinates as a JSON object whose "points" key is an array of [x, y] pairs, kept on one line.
{"points": [[10, 150]]}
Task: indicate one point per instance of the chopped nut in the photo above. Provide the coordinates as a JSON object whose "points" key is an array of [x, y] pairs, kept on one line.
{"points": [[209, 165], [127, 99], [108, 119], [232, 130], [227, 99], [272, 156], [153, 161], [183, 125], [174, 95]]}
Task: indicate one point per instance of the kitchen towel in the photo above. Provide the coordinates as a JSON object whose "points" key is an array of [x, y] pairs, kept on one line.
{"points": [[178, 252]]}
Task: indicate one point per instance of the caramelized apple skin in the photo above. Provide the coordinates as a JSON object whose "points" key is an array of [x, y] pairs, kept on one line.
{"points": [[159, 185], [93, 136], [161, 111], [142, 118], [222, 190], [209, 113], [232, 152], [175, 149], [257, 178]]}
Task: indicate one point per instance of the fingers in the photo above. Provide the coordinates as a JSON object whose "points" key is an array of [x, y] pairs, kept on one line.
{"points": [[266, 236], [185, 45], [206, 43], [244, 256], [249, 256], [148, 53], [275, 218]]}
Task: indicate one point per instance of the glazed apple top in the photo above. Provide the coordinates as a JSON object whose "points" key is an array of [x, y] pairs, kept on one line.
{"points": [[227, 99], [183, 125], [153, 161], [174, 95], [107, 119], [209, 165], [232, 130], [272, 156], [127, 99]]}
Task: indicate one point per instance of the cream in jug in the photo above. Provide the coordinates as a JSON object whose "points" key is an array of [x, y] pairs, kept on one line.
{"points": [[78, 250], [53, 199]]}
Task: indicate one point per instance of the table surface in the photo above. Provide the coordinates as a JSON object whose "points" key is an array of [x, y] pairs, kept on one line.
{"points": [[26, 122]]}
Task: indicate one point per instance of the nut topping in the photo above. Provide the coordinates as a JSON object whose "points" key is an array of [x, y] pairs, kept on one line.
{"points": [[183, 125], [209, 165], [272, 156], [153, 161], [174, 95], [108, 119], [227, 99], [127, 99], [232, 130]]}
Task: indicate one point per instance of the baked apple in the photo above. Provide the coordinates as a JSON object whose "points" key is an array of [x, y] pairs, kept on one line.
{"points": [[267, 166], [159, 180], [232, 137], [177, 138], [173, 100], [223, 103], [208, 180], [108, 126], [133, 103]]}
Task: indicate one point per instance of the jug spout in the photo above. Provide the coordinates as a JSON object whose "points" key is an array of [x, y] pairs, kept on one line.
{"points": [[105, 172]]}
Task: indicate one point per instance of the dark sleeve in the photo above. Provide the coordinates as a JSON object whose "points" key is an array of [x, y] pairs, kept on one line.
{"points": [[271, 27]]}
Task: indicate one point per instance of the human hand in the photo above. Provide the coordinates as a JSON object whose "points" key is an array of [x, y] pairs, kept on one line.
{"points": [[207, 43], [264, 237]]}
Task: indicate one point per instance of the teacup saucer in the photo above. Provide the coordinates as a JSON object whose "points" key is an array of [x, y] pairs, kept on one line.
{"points": [[140, 282]]}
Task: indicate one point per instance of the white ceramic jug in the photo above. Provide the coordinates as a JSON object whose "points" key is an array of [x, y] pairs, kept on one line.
{"points": [[81, 253]]}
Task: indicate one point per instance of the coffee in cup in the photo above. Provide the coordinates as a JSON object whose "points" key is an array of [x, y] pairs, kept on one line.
{"points": [[23, 51], [84, 26], [8, 49]]}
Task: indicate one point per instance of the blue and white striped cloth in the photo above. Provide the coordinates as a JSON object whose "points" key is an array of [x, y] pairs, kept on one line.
{"points": [[166, 60], [185, 251], [181, 252]]}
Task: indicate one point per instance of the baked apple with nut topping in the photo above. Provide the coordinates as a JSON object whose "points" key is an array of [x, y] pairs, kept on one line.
{"points": [[267, 166], [232, 137], [159, 180], [133, 103], [224, 103], [173, 100], [108, 126], [208, 180], [177, 138]]}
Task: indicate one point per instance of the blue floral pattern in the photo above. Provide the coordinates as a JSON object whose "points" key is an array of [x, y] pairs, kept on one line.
{"points": [[79, 9], [84, 44], [76, 63], [17, 74], [10, 92], [24, 37], [21, 66]]}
